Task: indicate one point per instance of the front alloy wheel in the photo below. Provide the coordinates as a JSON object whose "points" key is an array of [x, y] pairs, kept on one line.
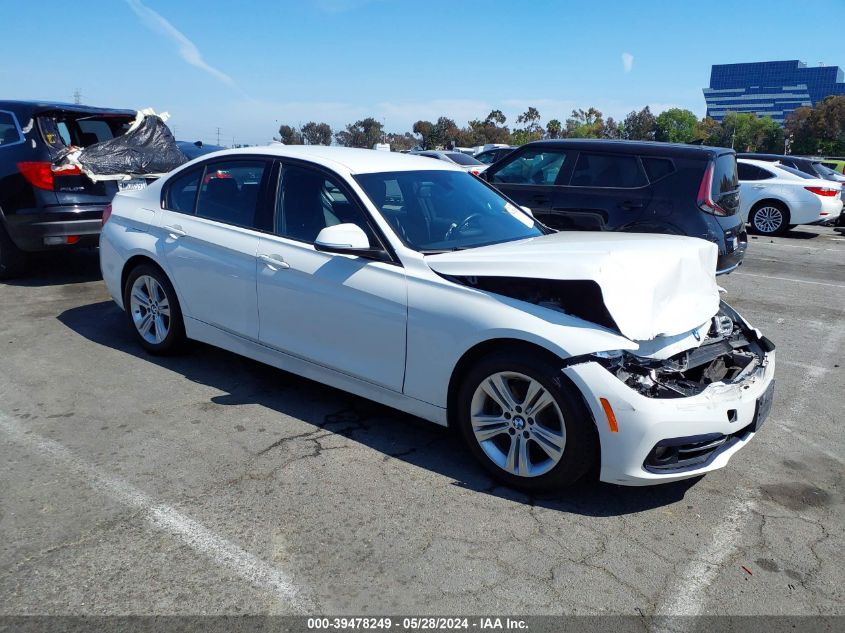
{"points": [[525, 422], [518, 424]]}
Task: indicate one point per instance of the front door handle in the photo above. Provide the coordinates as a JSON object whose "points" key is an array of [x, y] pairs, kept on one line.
{"points": [[276, 262], [175, 231]]}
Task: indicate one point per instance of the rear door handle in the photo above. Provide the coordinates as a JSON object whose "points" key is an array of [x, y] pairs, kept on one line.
{"points": [[276, 262], [175, 231]]}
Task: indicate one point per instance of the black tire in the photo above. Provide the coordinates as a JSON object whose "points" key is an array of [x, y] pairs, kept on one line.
{"points": [[174, 339], [12, 259], [764, 210], [581, 449]]}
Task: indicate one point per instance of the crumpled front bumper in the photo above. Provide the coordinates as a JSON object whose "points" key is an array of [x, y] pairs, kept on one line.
{"points": [[642, 422]]}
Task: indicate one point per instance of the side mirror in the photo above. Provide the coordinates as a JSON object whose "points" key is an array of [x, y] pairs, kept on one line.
{"points": [[527, 210], [349, 239], [342, 237]]}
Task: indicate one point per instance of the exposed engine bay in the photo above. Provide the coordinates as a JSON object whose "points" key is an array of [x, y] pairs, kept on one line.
{"points": [[728, 351]]}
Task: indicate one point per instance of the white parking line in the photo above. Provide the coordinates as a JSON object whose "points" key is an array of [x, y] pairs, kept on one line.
{"points": [[166, 518], [800, 281], [688, 597]]}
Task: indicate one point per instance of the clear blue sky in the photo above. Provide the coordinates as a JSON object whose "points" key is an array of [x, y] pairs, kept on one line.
{"points": [[247, 66]]}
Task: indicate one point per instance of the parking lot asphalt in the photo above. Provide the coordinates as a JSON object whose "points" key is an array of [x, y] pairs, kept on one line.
{"points": [[208, 483]]}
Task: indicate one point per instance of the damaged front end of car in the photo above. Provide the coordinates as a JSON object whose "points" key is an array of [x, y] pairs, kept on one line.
{"points": [[728, 351], [725, 349]]}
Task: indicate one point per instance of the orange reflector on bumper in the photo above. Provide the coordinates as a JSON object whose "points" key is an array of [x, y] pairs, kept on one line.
{"points": [[611, 416]]}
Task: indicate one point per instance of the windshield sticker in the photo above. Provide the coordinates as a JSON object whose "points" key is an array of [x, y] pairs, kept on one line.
{"points": [[519, 214]]}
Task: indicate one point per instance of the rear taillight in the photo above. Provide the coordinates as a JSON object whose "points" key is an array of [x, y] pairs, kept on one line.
{"points": [[106, 213], [705, 193], [475, 172], [825, 192], [38, 173]]}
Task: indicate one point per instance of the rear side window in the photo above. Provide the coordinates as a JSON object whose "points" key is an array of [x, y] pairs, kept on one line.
{"points": [[229, 192], [607, 170], [182, 192], [752, 172], [9, 132], [657, 168], [531, 167], [725, 178]]}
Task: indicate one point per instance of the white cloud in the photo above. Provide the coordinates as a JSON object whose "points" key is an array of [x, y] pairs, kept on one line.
{"points": [[627, 62], [187, 49]]}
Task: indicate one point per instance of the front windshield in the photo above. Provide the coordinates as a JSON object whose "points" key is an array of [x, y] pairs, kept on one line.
{"points": [[462, 159], [436, 211]]}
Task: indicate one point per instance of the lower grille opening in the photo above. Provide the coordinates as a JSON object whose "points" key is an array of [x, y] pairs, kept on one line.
{"points": [[686, 452]]}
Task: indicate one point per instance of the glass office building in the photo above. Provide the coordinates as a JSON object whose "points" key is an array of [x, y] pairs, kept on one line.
{"points": [[770, 88]]}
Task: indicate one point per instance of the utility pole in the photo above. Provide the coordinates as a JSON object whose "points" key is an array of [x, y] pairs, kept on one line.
{"points": [[77, 97], [218, 136]]}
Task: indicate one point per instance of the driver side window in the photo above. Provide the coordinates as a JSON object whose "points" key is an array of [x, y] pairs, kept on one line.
{"points": [[308, 201]]}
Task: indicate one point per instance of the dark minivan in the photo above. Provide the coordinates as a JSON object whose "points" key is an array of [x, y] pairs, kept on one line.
{"points": [[42, 209], [635, 186]]}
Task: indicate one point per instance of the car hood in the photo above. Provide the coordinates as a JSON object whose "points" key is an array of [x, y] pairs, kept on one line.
{"points": [[652, 285]]}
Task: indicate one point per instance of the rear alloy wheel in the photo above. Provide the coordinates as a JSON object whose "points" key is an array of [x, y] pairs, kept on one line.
{"points": [[525, 423], [769, 219], [153, 309]]}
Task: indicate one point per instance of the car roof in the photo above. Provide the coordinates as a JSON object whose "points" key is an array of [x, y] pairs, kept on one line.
{"points": [[33, 107], [772, 157], [344, 159], [633, 147], [767, 164]]}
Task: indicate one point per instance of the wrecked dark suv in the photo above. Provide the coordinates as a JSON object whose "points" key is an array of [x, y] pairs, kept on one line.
{"points": [[629, 186], [49, 199]]}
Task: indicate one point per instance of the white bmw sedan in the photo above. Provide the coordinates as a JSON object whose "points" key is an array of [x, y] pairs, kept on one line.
{"points": [[412, 283]]}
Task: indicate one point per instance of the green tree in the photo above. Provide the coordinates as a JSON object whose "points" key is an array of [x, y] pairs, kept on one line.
{"points": [[445, 132], [290, 135], [676, 125], [364, 133], [530, 130], [554, 129], [640, 126], [710, 132], [425, 129], [317, 133], [612, 129], [399, 142], [585, 124], [745, 132], [819, 130]]}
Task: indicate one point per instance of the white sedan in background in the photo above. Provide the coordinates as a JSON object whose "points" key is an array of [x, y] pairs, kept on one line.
{"points": [[466, 162], [774, 197], [407, 281]]}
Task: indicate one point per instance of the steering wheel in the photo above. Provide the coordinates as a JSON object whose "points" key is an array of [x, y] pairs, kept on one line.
{"points": [[457, 228]]}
